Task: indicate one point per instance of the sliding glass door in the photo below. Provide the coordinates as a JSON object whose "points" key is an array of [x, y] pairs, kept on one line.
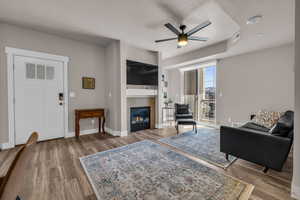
{"points": [[200, 93]]}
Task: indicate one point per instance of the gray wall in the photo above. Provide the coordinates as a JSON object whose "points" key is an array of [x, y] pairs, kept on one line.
{"points": [[130, 52], [249, 82], [259, 80], [141, 55], [112, 86], [175, 85], [85, 60], [296, 171]]}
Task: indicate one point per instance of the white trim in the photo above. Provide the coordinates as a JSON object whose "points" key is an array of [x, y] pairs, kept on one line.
{"points": [[11, 53], [83, 132], [123, 133], [116, 133], [295, 191], [159, 125], [35, 54], [198, 65], [5, 146]]}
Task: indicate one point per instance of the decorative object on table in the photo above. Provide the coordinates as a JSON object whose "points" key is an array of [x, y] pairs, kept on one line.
{"points": [[261, 145], [166, 84], [88, 83], [163, 77], [125, 173], [165, 95], [168, 102], [204, 145], [89, 113]]}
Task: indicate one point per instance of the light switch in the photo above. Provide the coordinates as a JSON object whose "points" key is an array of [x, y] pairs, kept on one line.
{"points": [[72, 95]]}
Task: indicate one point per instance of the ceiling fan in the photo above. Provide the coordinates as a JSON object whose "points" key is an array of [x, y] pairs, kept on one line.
{"points": [[183, 37]]}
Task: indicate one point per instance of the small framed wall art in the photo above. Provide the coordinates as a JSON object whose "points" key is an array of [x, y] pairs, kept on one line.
{"points": [[88, 83]]}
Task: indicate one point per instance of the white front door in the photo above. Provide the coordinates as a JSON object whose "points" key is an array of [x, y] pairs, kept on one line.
{"points": [[38, 90]]}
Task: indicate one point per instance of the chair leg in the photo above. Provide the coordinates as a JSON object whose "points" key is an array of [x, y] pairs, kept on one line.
{"points": [[177, 129], [266, 169], [227, 156]]}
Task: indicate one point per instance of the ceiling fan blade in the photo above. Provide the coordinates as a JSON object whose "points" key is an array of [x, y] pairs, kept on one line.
{"points": [[172, 28], [164, 40], [198, 28], [202, 39]]}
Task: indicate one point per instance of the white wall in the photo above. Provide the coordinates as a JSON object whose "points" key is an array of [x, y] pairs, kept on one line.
{"points": [[86, 59], [296, 170], [259, 80]]}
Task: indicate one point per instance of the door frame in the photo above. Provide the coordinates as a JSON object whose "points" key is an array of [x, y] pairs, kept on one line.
{"points": [[10, 54]]}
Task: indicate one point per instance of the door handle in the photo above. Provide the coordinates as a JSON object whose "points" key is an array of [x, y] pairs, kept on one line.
{"points": [[60, 98]]}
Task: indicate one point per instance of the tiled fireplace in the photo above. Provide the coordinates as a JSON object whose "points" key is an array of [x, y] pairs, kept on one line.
{"points": [[139, 118]]}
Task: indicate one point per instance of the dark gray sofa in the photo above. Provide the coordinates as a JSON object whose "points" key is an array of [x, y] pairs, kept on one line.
{"points": [[258, 144]]}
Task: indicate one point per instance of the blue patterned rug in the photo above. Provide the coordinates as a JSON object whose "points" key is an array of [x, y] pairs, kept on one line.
{"points": [[148, 171], [204, 145]]}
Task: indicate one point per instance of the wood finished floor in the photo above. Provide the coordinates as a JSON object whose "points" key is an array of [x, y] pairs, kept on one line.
{"points": [[56, 173]]}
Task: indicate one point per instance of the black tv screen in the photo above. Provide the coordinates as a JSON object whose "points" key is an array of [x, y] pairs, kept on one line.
{"points": [[141, 73]]}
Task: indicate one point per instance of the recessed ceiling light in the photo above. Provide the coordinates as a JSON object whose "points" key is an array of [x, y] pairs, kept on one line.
{"points": [[254, 19]]}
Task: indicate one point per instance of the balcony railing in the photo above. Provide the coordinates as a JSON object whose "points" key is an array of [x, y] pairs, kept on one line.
{"points": [[203, 107]]}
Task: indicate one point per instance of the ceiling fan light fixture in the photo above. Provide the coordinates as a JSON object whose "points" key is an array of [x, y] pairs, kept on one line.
{"points": [[182, 40]]}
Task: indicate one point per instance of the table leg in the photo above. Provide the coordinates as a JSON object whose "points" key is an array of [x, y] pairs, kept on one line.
{"points": [[77, 127]]}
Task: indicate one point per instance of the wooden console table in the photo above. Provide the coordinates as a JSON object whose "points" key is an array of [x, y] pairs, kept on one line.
{"points": [[89, 113]]}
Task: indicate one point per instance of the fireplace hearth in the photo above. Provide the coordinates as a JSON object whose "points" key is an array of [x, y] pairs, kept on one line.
{"points": [[139, 118]]}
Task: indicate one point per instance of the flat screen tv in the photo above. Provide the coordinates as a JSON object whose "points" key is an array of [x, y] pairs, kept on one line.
{"points": [[141, 73]]}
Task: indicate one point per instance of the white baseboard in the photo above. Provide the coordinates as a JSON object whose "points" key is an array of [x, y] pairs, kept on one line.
{"points": [[116, 133], [82, 132], [159, 125], [6, 145], [296, 192]]}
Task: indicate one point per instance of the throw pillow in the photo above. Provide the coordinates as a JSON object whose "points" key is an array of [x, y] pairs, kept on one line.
{"points": [[284, 125], [266, 118]]}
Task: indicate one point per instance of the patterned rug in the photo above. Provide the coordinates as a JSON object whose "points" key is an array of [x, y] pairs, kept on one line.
{"points": [[204, 145], [148, 171]]}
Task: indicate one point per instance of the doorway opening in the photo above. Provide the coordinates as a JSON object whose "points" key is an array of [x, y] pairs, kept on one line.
{"points": [[200, 92]]}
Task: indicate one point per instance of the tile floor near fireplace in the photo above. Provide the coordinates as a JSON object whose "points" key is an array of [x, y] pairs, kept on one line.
{"points": [[139, 118]]}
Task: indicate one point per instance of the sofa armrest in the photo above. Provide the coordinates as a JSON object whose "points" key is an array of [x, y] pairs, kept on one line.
{"points": [[256, 146]]}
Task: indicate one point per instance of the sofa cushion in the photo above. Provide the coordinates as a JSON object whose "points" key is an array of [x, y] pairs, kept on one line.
{"points": [[266, 118], [254, 126], [284, 126], [182, 109]]}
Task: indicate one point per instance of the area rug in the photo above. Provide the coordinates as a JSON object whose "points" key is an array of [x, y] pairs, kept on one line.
{"points": [[149, 171], [204, 145]]}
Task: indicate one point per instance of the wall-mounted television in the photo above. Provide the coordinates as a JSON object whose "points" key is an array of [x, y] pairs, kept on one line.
{"points": [[141, 73]]}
